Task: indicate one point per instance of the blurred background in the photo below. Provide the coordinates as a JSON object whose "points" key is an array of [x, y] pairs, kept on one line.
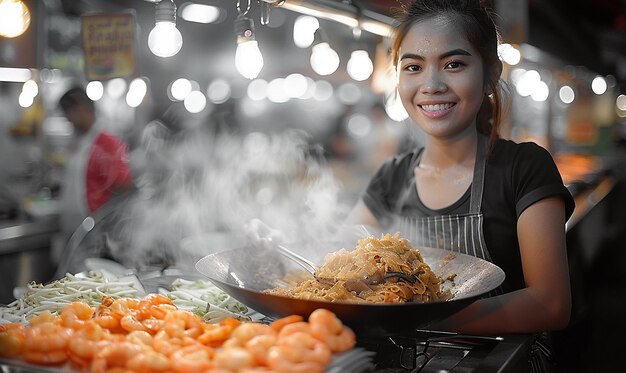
{"points": [[234, 109]]}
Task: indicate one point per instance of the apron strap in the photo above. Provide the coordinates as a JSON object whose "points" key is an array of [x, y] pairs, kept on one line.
{"points": [[479, 175]]}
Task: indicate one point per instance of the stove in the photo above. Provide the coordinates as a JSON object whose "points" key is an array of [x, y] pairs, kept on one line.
{"points": [[427, 351]]}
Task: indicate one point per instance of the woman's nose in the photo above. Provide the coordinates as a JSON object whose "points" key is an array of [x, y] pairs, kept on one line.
{"points": [[433, 82]]}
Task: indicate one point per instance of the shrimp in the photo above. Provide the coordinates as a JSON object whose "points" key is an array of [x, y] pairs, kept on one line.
{"points": [[114, 355], [246, 331], [11, 339], [88, 341], [163, 343], [234, 358], [109, 321], [153, 300], [305, 347], [46, 336], [280, 360], [153, 325], [124, 306], [280, 323], [44, 317], [54, 357], [299, 326], [326, 327], [259, 347], [149, 361], [177, 322], [140, 337], [193, 358], [130, 323], [230, 321], [214, 335], [10, 326], [75, 314]]}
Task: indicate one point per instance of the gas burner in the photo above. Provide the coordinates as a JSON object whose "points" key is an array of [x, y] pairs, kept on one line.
{"points": [[431, 351]]}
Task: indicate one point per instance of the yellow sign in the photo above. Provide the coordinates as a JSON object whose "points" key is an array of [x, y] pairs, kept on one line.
{"points": [[109, 45]]}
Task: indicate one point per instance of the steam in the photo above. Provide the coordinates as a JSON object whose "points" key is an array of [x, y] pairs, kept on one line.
{"points": [[196, 192]]}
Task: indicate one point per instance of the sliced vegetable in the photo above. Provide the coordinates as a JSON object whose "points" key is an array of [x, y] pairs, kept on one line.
{"points": [[205, 299]]}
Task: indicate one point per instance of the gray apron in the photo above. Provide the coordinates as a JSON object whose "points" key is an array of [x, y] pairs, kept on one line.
{"points": [[464, 233], [461, 233]]}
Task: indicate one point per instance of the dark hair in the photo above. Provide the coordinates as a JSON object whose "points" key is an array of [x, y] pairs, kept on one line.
{"points": [[75, 96], [475, 18]]}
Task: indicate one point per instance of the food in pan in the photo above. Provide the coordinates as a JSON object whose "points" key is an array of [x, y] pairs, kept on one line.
{"points": [[378, 270], [151, 334]]}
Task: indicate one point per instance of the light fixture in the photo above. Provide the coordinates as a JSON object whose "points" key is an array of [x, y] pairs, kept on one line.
{"points": [[14, 18], [165, 40], [201, 13], [248, 57], [324, 59], [598, 85], [360, 66]]}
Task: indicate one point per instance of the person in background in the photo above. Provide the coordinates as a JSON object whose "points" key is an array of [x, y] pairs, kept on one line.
{"points": [[501, 201], [97, 167]]}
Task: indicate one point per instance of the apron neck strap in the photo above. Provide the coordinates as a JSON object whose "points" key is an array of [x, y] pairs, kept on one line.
{"points": [[479, 175]]}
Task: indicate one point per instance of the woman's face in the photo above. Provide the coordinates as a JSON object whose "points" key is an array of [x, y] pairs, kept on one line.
{"points": [[441, 80]]}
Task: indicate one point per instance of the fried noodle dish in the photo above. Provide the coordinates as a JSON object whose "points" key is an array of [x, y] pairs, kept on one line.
{"points": [[378, 270]]}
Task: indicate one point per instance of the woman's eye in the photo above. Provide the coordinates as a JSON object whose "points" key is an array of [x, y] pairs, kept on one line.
{"points": [[412, 68], [455, 65]]}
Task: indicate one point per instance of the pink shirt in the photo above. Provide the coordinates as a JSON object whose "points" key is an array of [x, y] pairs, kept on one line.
{"points": [[107, 170]]}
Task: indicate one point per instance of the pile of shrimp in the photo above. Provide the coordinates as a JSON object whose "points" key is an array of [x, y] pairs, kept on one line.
{"points": [[152, 335]]}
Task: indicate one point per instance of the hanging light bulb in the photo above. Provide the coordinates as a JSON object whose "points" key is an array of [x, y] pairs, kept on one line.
{"points": [[14, 18], [324, 59], [165, 40], [248, 57], [360, 66]]}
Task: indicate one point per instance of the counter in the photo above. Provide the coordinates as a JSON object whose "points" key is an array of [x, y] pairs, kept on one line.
{"points": [[25, 245]]}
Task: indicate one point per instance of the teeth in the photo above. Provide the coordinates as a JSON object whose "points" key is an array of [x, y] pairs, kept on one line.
{"points": [[438, 107]]}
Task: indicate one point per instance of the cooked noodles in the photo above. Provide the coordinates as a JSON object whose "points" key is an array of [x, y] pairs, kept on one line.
{"points": [[360, 275]]}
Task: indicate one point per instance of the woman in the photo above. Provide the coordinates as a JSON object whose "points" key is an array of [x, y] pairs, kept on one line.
{"points": [[468, 190]]}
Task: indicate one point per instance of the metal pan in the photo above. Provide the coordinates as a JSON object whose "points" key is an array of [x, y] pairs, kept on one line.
{"points": [[245, 272]]}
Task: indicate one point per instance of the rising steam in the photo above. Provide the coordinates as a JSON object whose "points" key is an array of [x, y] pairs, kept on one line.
{"points": [[199, 189]]}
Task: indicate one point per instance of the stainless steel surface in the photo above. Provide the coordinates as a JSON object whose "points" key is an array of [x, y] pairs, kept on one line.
{"points": [[26, 234], [25, 253], [244, 273]]}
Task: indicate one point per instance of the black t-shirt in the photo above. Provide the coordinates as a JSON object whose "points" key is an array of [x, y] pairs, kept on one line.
{"points": [[516, 176]]}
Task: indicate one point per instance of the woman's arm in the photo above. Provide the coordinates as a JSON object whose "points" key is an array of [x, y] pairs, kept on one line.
{"points": [[545, 303], [360, 214]]}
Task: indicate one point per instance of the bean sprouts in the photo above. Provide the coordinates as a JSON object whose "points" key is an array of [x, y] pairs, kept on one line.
{"points": [[90, 289], [205, 299]]}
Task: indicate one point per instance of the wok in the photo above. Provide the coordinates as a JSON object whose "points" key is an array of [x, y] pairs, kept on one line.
{"points": [[245, 272]]}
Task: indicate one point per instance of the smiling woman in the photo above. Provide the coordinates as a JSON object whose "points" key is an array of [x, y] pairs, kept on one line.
{"points": [[467, 190]]}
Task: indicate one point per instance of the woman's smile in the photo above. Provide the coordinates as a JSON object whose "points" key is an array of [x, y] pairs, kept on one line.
{"points": [[434, 111]]}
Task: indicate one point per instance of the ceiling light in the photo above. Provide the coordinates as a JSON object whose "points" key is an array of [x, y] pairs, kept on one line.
{"points": [[360, 66], [248, 57], [165, 40], [200, 13], [14, 18]]}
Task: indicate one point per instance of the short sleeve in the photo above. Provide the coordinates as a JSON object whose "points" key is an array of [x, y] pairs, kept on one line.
{"points": [[535, 177], [385, 186]]}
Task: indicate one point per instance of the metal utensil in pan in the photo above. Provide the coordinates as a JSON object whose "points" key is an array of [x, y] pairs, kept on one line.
{"points": [[245, 272]]}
